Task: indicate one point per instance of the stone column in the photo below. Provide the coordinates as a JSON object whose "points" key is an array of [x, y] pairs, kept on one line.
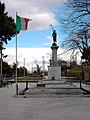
{"points": [[54, 71], [54, 48]]}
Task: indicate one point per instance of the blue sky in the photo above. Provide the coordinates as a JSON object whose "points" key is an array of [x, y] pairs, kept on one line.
{"points": [[43, 13], [36, 41]]}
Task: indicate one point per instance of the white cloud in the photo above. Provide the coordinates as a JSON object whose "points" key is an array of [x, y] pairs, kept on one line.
{"points": [[40, 11], [33, 54], [49, 38], [42, 21], [30, 55], [46, 43]]}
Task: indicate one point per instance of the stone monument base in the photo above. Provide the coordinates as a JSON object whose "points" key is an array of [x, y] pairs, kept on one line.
{"points": [[54, 72]]}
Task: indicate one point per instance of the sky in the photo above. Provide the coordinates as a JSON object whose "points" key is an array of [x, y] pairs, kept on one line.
{"points": [[43, 13], [35, 42]]}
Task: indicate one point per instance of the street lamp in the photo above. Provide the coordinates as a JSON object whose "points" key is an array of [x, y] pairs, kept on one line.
{"points": [[1, 60], [43, 63], [24, 67]]}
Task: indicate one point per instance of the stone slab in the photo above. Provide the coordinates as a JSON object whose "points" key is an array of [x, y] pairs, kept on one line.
{"points": [[54, 72]]}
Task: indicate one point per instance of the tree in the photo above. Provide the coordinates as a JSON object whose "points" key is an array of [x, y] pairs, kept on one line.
{"points": [[86, 54], [7, 31], [7, 72], [7, 25], [77, 24], [80, 41], [22, 71], [77, 15]]}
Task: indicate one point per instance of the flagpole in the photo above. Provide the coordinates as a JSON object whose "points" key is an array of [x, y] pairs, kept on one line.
{"points": [[16, 63], [18, 29]]}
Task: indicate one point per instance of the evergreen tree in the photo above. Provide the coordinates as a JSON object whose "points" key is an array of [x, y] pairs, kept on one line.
{"points": [[7, 25]]}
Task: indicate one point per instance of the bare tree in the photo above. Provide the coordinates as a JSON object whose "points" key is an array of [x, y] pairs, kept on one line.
{"points": [[77, 14], [77, 24]]}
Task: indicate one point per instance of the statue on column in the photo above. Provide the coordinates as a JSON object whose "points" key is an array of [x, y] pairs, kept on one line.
{"points": [[54, 35]]}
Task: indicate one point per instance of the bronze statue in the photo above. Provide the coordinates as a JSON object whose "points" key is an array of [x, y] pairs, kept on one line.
{"points": [[54, 35]]}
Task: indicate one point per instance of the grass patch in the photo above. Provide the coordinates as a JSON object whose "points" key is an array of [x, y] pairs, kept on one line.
{"points": [[76, 69], [3, 85], [31, 78]]}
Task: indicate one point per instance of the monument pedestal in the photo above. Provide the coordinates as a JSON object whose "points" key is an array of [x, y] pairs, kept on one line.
{"points": [[54, 72]]}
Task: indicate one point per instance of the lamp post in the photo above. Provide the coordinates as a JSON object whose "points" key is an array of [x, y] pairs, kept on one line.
{"points": [[43, 63], [81, 73], [1, 66], [24, 67], [1, 57]]}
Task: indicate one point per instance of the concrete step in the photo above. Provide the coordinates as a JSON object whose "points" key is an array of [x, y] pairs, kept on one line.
{"points": [[43, 90]]}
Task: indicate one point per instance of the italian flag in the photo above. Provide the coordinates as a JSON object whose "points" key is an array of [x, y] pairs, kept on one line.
{"points": [[21, 23]]}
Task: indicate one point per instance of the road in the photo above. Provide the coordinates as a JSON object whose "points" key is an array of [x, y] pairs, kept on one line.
{"points": [[62, 108]]}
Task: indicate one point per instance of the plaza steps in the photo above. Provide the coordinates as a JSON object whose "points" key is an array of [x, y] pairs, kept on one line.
{"points": [[54, 87], [85, 91]]}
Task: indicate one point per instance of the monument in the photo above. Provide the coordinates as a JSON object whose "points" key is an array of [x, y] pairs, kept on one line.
{"points": [[54, 70]]}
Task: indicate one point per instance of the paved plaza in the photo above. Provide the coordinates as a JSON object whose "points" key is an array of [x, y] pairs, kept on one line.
{"points": [[39, 108]]}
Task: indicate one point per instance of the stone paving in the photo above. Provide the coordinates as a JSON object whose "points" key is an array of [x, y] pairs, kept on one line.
{"points": [[62, 108], [53, 88]]}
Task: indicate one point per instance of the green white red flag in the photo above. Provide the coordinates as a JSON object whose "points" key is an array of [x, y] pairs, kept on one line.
{"points": [[21, 23]]}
